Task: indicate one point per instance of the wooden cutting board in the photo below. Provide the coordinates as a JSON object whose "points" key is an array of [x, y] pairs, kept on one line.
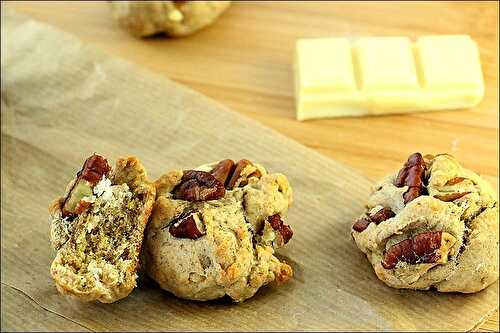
{"points": [[244, 62]]}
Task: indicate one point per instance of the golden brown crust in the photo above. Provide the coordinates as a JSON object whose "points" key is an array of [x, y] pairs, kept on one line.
{"points": [[478, 265], [130, 171], [166, 183]]}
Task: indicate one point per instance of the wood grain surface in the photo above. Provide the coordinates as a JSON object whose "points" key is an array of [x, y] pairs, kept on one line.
{"points": [[244, 62]]}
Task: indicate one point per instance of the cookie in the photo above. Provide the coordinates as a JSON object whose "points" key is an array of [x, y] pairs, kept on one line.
{"points": [[214, 231], [97, 229], [433, 224], [174, 18]]}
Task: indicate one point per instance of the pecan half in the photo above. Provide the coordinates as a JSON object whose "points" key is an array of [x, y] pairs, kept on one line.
{"points": [[94, 168], [450, 196], [228, 173], [412, 175], [198, 186], [237, 174], [184, 226], [223, 170], [240, 166], [278, 225], [426, 247], [380, 216], [455, 180], [361, 224]]}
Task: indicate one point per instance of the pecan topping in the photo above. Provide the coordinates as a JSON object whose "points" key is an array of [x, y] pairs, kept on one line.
{"points": [[184, 226], [455, 180], [94, 168], [229, 173], [199, 186], [380, 216], [361, 224], [278, 225], [240, 166], [222, 170], [412, 175], [450, 196], [426, 247]]}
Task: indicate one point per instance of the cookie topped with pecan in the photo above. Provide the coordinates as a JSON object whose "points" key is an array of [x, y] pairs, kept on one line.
{"points": [[433, 224], [214, 230], [97, 229]]}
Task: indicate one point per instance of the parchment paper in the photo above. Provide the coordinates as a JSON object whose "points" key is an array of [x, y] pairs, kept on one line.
{"points": [[62, 100]]}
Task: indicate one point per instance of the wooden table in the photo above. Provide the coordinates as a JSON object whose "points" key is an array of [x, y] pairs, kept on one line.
{"points": [[244, 62]]}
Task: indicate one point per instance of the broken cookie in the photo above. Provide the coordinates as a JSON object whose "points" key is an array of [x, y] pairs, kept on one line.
{"points": [[214, 231], [431, 224], [97, 229]]}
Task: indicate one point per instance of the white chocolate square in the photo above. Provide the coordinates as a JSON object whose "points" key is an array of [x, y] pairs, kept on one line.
{"points": [[386, 63], [449, 62], [325, 65]]}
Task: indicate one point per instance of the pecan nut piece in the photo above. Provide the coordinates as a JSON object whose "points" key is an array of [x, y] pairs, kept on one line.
{"points": [[378, 217], [450, 196], [198, 186], [382, 215], [361, 224], [184, 226], [223, 170], [413, 176], [455, 180], [278, 225], [237, 174], [94, 168], [426, 247]]}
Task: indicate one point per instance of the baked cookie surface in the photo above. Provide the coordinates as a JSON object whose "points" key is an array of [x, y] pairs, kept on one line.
{"points": [[214, 231], [97, 229], [175, 18], [432, 224]]}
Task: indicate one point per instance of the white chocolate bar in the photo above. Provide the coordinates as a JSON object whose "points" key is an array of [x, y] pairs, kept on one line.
{"points": [[337, 77]]}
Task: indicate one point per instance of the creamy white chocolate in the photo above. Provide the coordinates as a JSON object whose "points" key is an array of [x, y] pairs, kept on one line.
{"points": [[336, 77]]}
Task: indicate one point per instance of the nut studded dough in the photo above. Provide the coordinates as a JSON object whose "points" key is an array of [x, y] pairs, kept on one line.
{"points": [[175, 18], [233, 247], [452, 212], [98, 242]]}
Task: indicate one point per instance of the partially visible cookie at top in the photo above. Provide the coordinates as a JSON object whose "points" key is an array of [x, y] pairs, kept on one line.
{"points": [[97, 229], [174, 18], [433, 224], [215, 229]]}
